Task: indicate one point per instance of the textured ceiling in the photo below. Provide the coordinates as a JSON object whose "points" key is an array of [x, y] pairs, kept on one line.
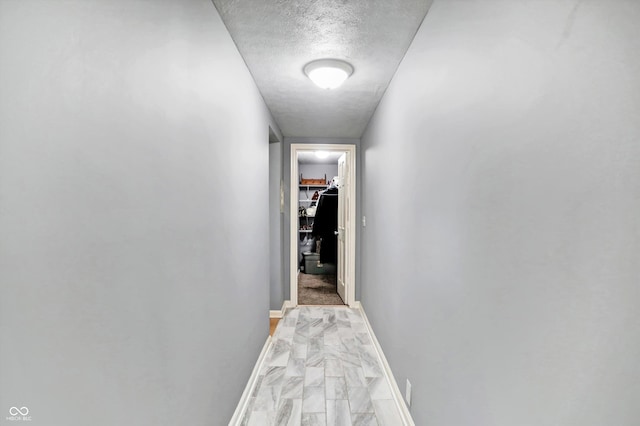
{"points": [[278, 37]]}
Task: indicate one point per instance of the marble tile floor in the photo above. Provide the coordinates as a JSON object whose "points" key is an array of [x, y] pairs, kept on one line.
{"points": [[322, 369]]}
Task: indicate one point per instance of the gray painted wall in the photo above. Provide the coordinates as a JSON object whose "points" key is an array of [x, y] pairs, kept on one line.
{"points": [[318, 170], [129, 295], [500, 257], [287, 198], [276, 223]]}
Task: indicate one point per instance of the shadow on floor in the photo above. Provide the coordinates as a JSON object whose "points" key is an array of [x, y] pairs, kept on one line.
{"points": [[318, 290]]}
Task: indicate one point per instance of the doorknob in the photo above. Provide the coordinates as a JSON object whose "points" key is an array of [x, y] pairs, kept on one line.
{"points": [[336, 232]]}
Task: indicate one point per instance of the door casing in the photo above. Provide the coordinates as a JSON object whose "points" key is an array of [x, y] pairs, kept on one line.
{"points": [[350, 231], [343, 196]]}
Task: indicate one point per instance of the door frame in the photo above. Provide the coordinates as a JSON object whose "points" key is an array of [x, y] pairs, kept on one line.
{"points": [[350, 231]]}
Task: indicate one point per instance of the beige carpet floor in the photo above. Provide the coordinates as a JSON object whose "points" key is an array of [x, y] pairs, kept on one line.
{"points": [[317, 290]]}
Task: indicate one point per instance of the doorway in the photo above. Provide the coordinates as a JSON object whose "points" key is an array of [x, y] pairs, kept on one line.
{"points": [[322, 247]]}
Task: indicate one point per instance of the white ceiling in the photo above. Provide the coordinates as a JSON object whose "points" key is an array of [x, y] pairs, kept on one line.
{"points": [[278, 37], [308, 157]]}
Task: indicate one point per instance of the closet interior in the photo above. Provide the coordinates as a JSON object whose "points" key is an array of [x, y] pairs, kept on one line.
{"points": [[317, 223]]}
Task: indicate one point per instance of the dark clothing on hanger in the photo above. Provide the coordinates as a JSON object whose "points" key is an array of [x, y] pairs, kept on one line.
{"points": [[326, 223]]}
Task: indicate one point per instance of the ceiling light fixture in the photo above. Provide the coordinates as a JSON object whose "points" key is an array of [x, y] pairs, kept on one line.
{"points": [[322, 154], [328, 73]]}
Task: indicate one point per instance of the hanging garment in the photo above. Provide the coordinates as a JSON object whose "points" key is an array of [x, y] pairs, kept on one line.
{"points": [[326, 223]]}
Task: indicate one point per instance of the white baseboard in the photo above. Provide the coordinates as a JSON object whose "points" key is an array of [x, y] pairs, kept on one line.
{"points": [[280, 313], [407, 420], [236, 419]]}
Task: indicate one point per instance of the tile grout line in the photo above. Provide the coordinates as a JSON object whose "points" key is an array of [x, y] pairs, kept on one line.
{"points": [[315, 322]]}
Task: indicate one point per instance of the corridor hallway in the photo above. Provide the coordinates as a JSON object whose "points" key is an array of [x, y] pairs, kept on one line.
{"points": [[148, 206], [322, 369]]}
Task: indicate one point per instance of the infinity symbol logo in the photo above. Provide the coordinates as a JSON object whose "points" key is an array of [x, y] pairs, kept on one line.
{"points": [[14, 411]]}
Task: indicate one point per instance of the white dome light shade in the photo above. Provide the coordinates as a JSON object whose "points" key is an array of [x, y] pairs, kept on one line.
{"points": [[322, 154], [328, 73]]}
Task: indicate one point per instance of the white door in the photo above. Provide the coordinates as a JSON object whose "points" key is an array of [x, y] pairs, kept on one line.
{"points": [[343, 191]]}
